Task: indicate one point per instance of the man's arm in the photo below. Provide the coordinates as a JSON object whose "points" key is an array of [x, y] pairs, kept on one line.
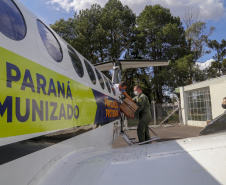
{"points": [[126, 95]]}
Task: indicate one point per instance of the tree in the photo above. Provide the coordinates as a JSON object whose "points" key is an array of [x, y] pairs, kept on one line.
{"points": [[91, 38], [139, 76], [163, 37], [218, 67], [99, 33], [185, 72], [197, 33], [118, 21], [220, 49], [224, 67], [190, 16], [105, 33], [84, 32], [197, 37], [65, 29]]}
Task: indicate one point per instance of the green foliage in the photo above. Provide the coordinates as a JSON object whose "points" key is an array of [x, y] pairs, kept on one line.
{"points": [[223, 67], [164, 38], [65, 29], [103, 33], [161, 32], [118, 20], [90, 40], [139, 76], [218, 67], [99, 33], [220, 49], [184, 72], [197, 37]]}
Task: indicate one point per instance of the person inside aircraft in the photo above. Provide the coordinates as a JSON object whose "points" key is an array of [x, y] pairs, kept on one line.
{"points": [[143, 112], [121, 89]]}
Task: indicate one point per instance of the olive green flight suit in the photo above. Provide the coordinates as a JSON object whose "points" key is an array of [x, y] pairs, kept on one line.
{"points": [[144, 116]]}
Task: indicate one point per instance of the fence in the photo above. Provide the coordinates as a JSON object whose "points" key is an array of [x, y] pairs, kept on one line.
{"points": [[161, 113]]}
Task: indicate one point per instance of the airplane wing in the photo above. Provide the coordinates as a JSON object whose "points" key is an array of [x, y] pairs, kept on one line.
{"points": [[125, 64], [199, 160]]}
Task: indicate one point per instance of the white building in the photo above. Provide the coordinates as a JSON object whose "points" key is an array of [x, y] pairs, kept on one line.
{"points": [[201, 102]]}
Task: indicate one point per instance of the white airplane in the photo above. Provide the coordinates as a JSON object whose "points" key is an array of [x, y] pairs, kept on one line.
{"points": [[59, 115]]}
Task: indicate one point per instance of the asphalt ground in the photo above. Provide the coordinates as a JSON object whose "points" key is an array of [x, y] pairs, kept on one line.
{"points": [[165, 133]]}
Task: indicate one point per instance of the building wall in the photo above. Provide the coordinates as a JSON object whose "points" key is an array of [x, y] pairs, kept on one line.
{"points": [[218, 92], [217, 88], [183, 105], [196, 123]]}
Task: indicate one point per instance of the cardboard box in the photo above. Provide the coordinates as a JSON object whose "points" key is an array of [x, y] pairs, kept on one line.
{"points": [[131, 104], [128, 107], [127, 110]]}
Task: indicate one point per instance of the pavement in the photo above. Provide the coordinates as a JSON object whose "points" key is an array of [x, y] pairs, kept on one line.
{"points": [[165, 133]]}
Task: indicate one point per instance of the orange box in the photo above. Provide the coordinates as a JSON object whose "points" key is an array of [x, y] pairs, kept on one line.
{"points": [[128, 107], [131, 104]]}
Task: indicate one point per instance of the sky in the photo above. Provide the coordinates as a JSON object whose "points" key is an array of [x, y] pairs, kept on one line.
{"points": [[213, 12]]}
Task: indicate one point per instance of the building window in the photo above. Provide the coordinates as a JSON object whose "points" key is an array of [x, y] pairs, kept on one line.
{"points": [[199, 104], [12, 23], [50, 42]]}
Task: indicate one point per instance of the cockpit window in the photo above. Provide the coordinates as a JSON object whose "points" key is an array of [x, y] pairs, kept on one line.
{"points": [[100, 79], [90, 72], [12, 23], [107, 83], [50, 42], [77, 64]]}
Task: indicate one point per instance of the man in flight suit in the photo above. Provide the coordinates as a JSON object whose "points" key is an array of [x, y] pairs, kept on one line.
{"points": [[143, 112]]}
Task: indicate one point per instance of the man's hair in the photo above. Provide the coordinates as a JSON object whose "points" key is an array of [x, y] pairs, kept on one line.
{"points": [[138, 87], [123, 83]]}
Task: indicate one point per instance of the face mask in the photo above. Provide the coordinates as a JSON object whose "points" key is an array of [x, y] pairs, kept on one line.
{"points": [[136, 93], [223, 106]]}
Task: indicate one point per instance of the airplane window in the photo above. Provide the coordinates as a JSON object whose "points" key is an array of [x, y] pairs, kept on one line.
{"points": [[12, 23], [100, 79], [90, 72], [77, 64], [107, 83], [50, 42]]}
